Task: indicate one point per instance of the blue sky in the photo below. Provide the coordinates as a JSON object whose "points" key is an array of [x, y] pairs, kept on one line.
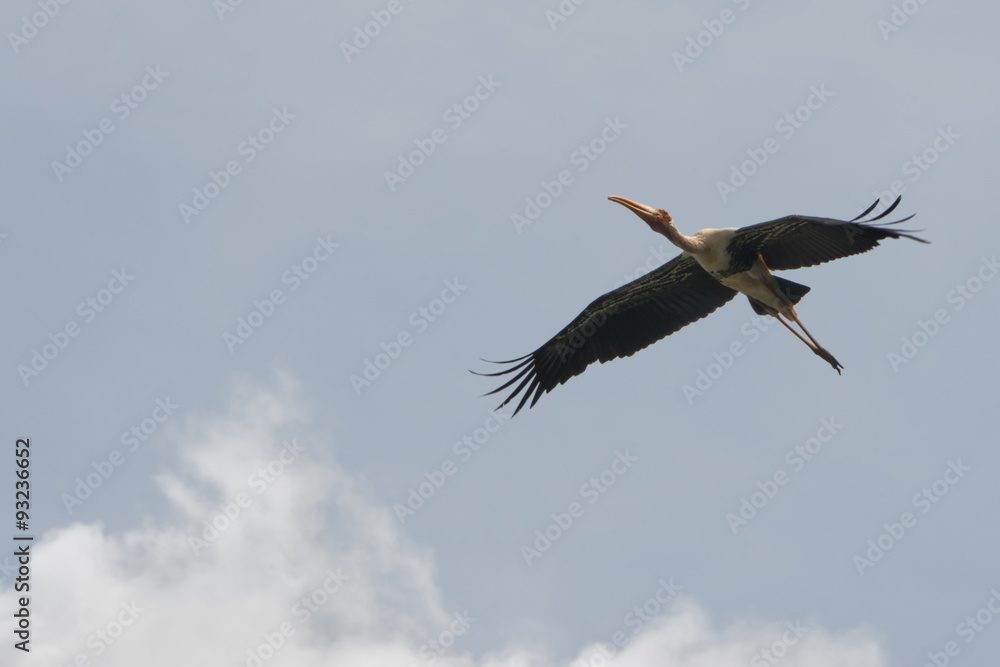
{"points": [[219, 214]]}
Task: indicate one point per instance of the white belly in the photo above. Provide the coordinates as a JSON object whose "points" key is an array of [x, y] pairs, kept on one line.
{"points": [[757, 282], [751, 285]]}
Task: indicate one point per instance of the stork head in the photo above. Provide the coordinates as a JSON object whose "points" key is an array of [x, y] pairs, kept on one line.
{"points": [[657, 219]]}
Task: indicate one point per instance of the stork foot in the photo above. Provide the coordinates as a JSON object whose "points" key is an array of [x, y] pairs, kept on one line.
{"points": [[824, 354]]}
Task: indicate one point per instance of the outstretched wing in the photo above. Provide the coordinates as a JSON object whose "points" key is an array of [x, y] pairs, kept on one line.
{"points": [[796, 241], [618, 324]]}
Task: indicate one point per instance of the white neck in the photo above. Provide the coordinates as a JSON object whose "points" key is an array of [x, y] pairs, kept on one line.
{"points": [[686, 243]]}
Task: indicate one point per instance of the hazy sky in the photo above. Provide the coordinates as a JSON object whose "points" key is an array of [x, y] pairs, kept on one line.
{"points": [[253, 249]]}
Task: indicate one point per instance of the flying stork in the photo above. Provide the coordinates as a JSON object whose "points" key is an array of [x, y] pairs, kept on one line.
{"points": [[715, 264]]}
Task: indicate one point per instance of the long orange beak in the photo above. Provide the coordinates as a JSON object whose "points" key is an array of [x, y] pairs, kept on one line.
{"points": [[635, 207], [653, 217]]}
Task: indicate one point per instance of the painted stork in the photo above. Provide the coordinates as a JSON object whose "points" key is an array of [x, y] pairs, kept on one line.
{"points": [[715, 264]]}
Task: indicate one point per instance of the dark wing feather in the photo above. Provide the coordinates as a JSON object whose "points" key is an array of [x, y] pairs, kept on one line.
{"points": [[796, 241], [618, 324]]}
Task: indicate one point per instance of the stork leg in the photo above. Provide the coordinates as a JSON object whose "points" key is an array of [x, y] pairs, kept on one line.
{"points": [[788, 326], [818, 349]]}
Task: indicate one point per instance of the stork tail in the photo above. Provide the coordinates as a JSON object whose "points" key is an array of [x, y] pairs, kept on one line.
{"points": [[794, 291]]}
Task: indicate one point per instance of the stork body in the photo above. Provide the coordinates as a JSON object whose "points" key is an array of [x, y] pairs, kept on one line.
{"points": [[714, 265], [736, 262], [710, 248]]}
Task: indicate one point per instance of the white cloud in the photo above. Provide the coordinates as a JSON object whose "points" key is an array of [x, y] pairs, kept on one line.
{"points": [[155, 595]]}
